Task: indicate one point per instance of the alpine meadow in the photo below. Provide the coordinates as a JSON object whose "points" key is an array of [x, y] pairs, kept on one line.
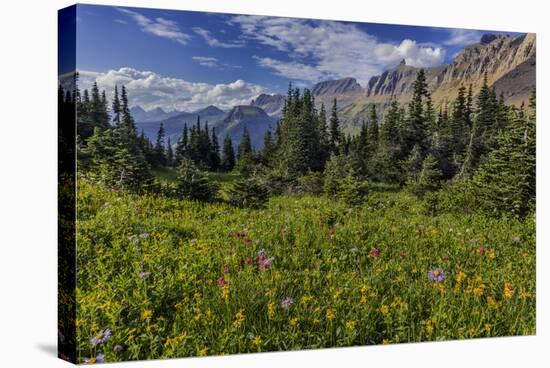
{"points": [[273, 184]]}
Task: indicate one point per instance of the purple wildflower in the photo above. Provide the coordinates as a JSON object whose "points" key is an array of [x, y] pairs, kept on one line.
{"points": [[100, 358], [287, 302], [436, 275], [101, 337]]}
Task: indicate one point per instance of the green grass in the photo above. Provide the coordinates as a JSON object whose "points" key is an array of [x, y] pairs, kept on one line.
{"points": [[343, 294]]}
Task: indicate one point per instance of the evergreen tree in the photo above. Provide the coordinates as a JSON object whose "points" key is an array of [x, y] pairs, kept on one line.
{"points": [[506, 182], [181, 146], [324, 138], [269, 148], [195, 184], [429, 178], [248, 193], [116, 107], [159, 150], [228, 154], [334, 130], [415, 132], [214, 151], [372, 130], [169, 153], [245, 147]]}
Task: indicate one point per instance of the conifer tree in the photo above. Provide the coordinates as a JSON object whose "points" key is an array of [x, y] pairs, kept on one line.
{"points": [[116, 107], [429, 178], [245, 147], [159, 150], [169, 153], [228, 154], [372, 130], [269, 148], [181, 146], [194, 184], [334, 130]]}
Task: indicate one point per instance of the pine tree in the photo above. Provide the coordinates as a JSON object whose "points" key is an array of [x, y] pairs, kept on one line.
{"points": [[214, 151], [181, 146], [245, 147], [324, 146], [269, 148], [169, 153], [248, 193], [506, 182], [372, 130], [116, 107], [228, 154], [429, 178], [159, 150], [413, 164], [194, 184], [416, 126], [334, 130]]}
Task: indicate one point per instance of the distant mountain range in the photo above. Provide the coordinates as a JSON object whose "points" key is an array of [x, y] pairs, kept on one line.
{"points": [[509, 61]]}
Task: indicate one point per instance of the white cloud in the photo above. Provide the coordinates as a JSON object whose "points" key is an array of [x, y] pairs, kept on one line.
{"points": [[208, 61], [462, 37], [150, 90], [159, 26], [321, 49], [214, 42]]}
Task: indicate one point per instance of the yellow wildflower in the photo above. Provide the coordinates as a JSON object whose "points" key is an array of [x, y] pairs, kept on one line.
{"points": [[363, 298], [239, 318], [386, 341], [350, 325], [271, 310], [293, 321], [493, 302], [146, 314], [203, 351], [429, 327], [488, 327], [330, 314], [257, 341], [385, 310]]}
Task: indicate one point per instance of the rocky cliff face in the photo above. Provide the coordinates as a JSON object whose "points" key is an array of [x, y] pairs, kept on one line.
{"points": [[509, 62], [345, 90], [271, 104]]}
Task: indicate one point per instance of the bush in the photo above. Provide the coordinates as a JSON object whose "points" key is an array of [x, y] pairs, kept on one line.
{"points": [[248, 193], [312, 183], [352, 190], [195, 184]]}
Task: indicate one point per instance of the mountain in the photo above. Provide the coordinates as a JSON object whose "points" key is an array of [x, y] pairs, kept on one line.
{"points": [[271, 104], [173, 126], [256, 120], [345, 90], [509, 62], [156, 114]]}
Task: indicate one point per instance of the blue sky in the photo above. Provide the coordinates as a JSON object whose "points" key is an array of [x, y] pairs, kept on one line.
{"points": [[186, 60]]}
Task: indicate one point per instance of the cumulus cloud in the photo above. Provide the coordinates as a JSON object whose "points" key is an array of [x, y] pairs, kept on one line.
{"points": [[462, 37], [150, 90], [214, 42], [328, 49], [159, 26]]}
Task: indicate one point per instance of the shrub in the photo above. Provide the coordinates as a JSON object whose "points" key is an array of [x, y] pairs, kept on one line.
{"points": [[248, 193], [312, 183], [195, 184]]}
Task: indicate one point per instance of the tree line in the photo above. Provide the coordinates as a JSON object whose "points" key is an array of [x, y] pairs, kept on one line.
{"points": [[483, 148]]}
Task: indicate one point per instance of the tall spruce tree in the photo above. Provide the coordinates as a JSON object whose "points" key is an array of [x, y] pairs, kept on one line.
{"points": [[116, 107], [159, 150], [334, 130], [169, 153], [228, 154]]}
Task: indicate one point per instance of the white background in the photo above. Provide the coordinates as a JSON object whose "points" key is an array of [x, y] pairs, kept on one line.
{"points": [[28, 159]]}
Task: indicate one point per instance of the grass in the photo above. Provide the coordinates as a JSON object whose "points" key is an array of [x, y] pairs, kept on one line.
{"points": [[356, 276]]}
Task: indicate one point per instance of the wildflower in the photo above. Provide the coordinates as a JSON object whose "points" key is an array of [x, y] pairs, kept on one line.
{"points": [[363, 299], [350, 325], [144, 235], [374, 253], [330, 234], [240, 234], [385, 310], [257, 341], [247, 240], [445, 258], [488, 327], [493, 302], [146, 314], [239, 318], [287, 302], [203, 351], [516, 239], [429, 327], [508, 290], [100, 358], [144, 275], [221, 281], [264, 262], [134, 239], [248, 261], [330, 314], [101, 337], [226, 269], [293, 321], [271, 310], [386, 341], [354, 250], [402, 254], [436, 275], [460, 277], [482, 250]]}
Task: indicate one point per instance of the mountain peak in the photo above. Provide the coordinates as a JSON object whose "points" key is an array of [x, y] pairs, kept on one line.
{"points": [[487, 38], [403, 62], [337, 87]]}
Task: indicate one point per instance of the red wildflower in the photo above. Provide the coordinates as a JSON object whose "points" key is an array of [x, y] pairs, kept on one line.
{"points": [[221, 281], [330, 234], [374, 253], [482, 251]]}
